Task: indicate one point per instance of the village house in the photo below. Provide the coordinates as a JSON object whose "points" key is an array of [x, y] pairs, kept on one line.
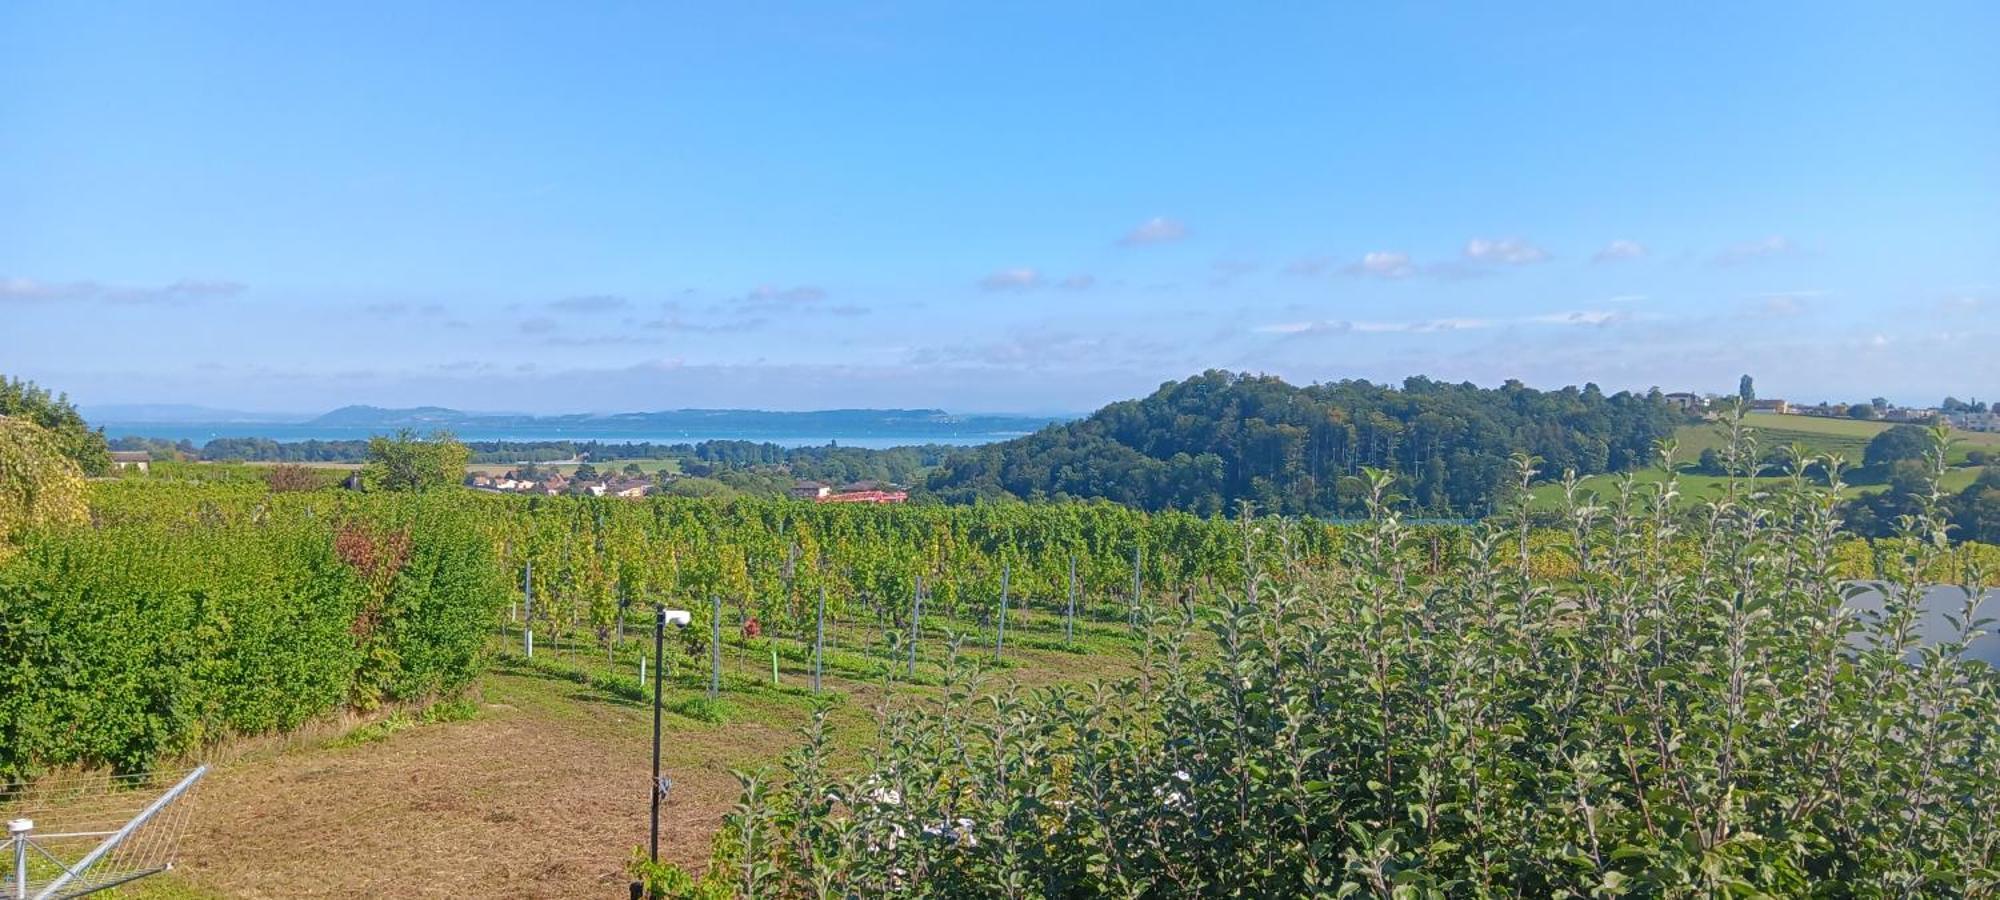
{"points": [[1687, 401], [1908, 414], [1770, 406], [137, 459], [811, 490], [629, 488], [1974, 421]]}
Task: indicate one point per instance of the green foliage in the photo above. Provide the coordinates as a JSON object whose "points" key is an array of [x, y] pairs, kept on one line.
{"points": [[1208, 442], [701, 709], [1684, 710], [408, 463], [39, 485], [666, 881], [456, 709], [192, 613], [1898, 444], [71, 436]]}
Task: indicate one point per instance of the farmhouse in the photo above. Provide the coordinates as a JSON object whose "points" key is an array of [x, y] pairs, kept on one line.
{"points": [[1771, 406], [1687, 401], [629, 488], [137, 459], [811, 490]]}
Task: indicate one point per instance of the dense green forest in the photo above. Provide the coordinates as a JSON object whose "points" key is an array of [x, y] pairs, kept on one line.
{"points": [[1220, 437]]}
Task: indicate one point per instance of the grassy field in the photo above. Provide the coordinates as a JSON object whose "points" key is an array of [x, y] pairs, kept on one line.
{"points": [[541, 790], [1846, 437]]}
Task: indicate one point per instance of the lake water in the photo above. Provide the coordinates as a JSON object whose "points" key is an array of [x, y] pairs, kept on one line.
{"points": [[202, 432], [1939, 602]]}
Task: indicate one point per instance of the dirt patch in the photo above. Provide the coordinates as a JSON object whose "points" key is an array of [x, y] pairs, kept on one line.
{"points": [[526, 800]]}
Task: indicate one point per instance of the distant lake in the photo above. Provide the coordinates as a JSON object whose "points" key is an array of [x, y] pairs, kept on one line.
{"points": [[202, 432], [1931, 625]]}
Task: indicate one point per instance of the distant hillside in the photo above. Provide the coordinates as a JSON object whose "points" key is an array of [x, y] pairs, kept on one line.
{"points": [[1207, 442], [378, 417], [888, 422]]}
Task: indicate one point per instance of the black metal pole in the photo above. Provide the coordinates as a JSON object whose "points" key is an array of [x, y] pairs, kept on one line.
{"points": [[659, 647]]}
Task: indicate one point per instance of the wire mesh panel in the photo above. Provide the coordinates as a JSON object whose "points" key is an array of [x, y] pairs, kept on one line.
{"points": [[72, 835]]}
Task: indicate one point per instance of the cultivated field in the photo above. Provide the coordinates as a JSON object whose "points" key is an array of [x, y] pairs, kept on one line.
{"points": [[540, 789]]}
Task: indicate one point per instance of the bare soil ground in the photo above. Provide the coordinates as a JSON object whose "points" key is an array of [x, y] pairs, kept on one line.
{"points": [[525, 800]]}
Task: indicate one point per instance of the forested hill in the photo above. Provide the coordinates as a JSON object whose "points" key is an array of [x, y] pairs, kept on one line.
{"points": [[1204, 443]]}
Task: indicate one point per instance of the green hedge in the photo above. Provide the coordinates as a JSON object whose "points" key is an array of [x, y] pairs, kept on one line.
{"points": [[129, 642]]}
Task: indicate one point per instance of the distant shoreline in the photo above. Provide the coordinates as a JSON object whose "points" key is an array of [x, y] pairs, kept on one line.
{"points": [[877, 439]]}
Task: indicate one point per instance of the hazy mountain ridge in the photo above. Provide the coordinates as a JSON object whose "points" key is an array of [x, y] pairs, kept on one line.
{"points": [[909, 420]]}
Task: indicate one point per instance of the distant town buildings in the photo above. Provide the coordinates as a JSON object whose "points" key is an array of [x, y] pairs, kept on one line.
{"points": [[553, 483], [529, 480], [1974, 421]]}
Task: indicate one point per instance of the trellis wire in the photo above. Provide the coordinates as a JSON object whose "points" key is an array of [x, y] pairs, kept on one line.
{"points": [[52, 820]]}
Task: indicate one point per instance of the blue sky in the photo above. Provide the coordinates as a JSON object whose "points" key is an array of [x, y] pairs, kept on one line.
{"points": [[990, 207]]}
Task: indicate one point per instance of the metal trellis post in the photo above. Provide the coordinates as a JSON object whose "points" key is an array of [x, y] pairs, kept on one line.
{"points": [[659, 646], [715, 648], [819, 639], [1069, 618], [1000, 637]]}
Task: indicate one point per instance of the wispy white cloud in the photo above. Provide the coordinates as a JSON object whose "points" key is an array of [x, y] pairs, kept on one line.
{"points": [[184, 290], [1156, 230], [393, 309], [1383, 264], [681, 324], [539, 325], [1309, 266], [768, 299], [1781, 304], [1020, 278], [1751, 251], [1027, 278], [1620, 249], [1585, 317], [1225, 272], [589, 303], [1510, 251]]}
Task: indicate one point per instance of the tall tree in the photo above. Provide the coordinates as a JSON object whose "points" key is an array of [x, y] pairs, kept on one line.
{"points": [[1746, 390], [65, 426], [39, 484], [409, 463]]}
